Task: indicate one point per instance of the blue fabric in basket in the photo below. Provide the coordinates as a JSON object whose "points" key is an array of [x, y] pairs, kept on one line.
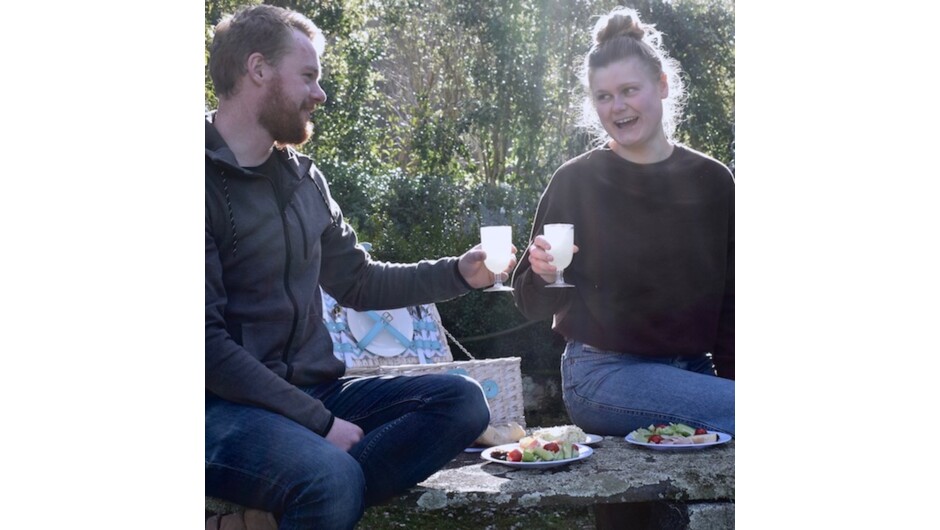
{"points": [[380, 324], [428, 344]]}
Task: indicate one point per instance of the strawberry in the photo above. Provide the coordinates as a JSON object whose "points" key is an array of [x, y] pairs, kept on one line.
{"points": [[700, 431], [655, 439], [552, 446], [514, 456]]}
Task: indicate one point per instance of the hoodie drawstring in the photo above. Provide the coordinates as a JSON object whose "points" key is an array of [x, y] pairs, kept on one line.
{"points": [[231, 214]]}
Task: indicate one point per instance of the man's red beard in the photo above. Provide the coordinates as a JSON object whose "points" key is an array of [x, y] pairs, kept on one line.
{"points": [[285, 122]]}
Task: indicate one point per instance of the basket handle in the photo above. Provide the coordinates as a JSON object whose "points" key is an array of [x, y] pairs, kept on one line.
{"points": [[451, 337]]}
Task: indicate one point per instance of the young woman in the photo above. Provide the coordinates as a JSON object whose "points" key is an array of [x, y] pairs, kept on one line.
{"points": [[649, 322]]}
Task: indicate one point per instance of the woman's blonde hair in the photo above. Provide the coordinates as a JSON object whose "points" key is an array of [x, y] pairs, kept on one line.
{"points": [[621, 35]]}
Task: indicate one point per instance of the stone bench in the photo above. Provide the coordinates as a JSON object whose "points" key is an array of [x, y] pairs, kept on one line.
{"points": [[622, 483], [625, 486]]}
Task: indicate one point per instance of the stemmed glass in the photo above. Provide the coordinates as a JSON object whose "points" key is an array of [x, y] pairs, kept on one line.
{"points": [[497, 243], [561, 237]]}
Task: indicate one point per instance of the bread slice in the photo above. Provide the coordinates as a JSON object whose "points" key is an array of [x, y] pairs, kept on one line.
{"points": [[500, 434]]}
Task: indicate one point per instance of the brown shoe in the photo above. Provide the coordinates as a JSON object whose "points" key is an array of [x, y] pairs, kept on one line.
{"points": [[247, 520]]}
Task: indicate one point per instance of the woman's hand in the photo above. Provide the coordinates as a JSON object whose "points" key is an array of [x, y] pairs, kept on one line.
{"points": [[540, 259]]}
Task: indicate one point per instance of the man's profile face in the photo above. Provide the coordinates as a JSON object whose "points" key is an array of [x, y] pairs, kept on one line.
{"points": [[293, 93]]}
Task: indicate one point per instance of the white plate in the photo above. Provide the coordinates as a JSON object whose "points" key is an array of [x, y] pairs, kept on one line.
{"points": [[583, 452], [592, 439], [384, 344], [722, 438]]}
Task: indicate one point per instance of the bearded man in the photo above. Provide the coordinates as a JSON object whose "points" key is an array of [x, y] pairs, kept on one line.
{"points": [[286, 431]]}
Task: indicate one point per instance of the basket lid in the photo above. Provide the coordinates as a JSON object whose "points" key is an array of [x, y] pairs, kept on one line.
{"points": [[386, 333]]}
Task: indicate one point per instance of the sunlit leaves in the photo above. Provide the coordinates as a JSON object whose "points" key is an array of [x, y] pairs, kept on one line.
{"points": [[444, 114]]}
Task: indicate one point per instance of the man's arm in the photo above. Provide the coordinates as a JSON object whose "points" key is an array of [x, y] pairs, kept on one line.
{"points": [[357, 282]]}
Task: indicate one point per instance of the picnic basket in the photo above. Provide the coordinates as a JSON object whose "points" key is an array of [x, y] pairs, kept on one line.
{"points": [[425, 351]]}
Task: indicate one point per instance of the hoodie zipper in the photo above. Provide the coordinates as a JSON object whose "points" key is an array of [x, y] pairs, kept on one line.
{"points": [[285, 356], [303, 231], [285, 353], [288, 250]]}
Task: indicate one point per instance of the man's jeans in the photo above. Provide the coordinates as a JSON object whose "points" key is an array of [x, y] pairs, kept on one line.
{"points": [[412, 425], [611, 393]]}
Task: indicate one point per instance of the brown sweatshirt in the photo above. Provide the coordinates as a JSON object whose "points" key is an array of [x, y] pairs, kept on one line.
{"points": [[654, 274]]}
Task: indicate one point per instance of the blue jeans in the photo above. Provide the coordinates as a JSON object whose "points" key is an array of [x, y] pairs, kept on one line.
{"points": [[612, 393], [413, 426]]}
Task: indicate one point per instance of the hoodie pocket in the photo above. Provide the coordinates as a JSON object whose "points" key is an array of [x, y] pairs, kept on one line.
{"points": [[266, 340]]}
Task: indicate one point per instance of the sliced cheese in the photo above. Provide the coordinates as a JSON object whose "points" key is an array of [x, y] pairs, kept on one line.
{"points": [[705, 438]]}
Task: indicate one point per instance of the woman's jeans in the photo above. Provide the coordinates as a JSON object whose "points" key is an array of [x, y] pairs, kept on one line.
{"points": [[413, 426], [612, 393]]}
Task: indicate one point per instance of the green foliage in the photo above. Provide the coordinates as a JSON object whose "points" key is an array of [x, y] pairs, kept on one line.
{"points": [[700, 35], [344, 128], [445, 115], [418, 214]]}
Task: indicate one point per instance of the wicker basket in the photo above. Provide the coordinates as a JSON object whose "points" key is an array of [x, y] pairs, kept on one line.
{"points": [[428, 353], [501, 380]]}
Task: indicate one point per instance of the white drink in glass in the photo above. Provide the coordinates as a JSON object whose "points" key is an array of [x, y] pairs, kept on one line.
{"points": [[495, 261], [561, 238], [497, 243]]}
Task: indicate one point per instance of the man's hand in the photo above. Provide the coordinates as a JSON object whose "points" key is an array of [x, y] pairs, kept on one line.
{"points": [[475, 272], [541, 260], [344, 434]]}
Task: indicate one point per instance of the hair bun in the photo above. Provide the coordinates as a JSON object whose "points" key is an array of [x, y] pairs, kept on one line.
{"points": [[617, 25]]}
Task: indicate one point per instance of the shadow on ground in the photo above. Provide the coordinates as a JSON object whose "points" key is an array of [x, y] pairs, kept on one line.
{"points": [[394, 517]]}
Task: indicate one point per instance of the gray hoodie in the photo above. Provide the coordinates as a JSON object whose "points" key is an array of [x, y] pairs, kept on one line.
{"points": [[270, 242]]}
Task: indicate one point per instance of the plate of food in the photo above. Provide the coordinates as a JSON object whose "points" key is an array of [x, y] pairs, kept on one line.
{"points": [[530, 452], [570, 433], [676, 437]]}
